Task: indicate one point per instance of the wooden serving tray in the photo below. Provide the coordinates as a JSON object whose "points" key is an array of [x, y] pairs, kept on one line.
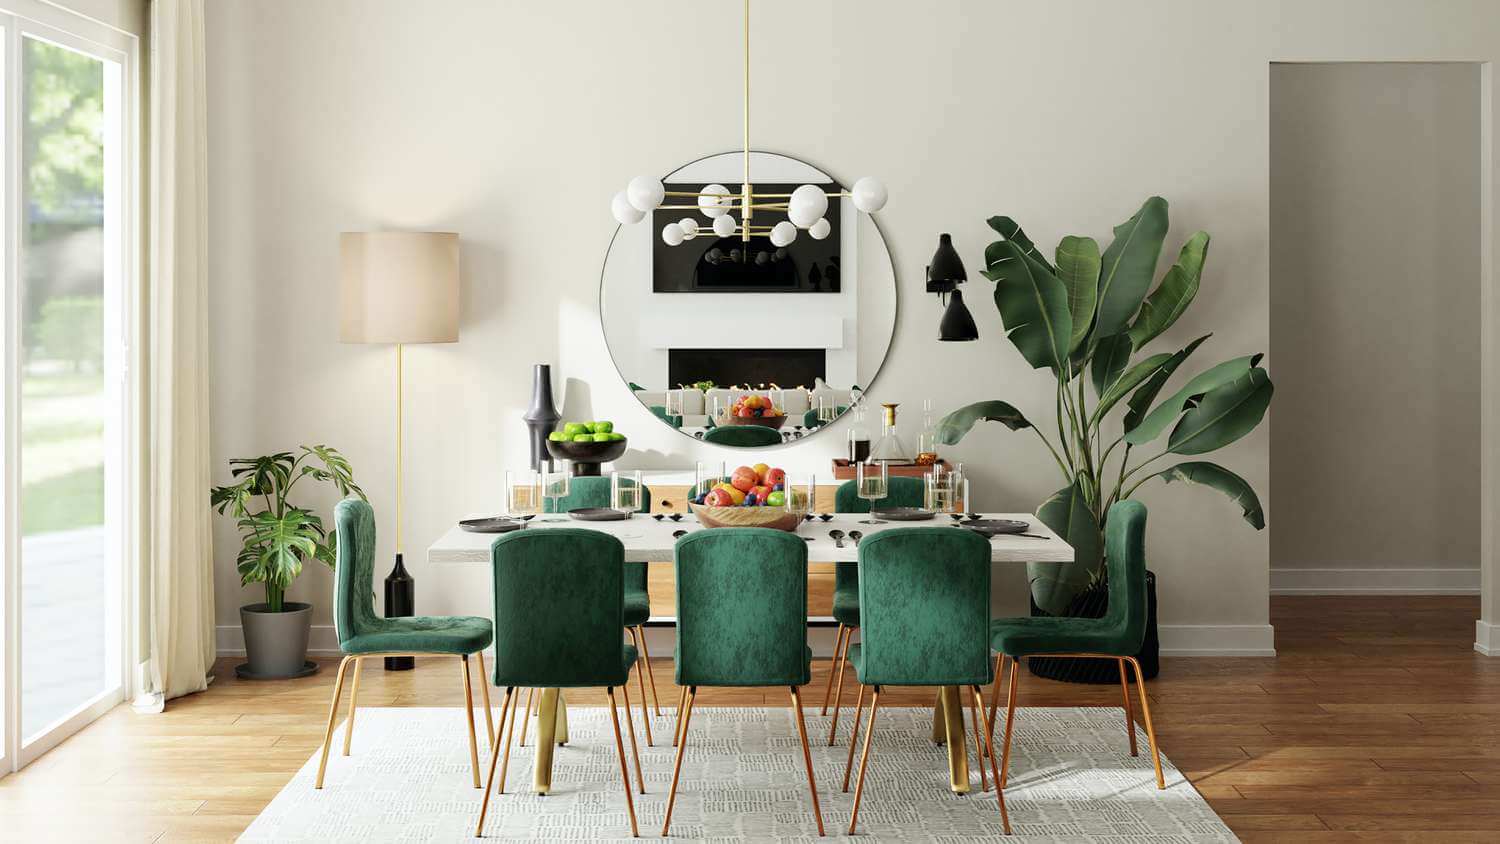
{"points": [[843, 470]]}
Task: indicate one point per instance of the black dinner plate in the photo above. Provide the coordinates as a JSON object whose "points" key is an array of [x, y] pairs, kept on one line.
{"points": [[904, 514], [599, 514], [995, 527], [494, 524]]}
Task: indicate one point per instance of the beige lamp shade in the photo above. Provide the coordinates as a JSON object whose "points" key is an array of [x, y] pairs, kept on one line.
{"points": [[398, 287]]}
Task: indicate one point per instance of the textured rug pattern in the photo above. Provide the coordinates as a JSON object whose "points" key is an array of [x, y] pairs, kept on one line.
{"points": [[408, 779]]}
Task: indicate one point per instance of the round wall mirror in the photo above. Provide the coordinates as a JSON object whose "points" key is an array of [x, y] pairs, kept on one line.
{"points": [[748, 342]]}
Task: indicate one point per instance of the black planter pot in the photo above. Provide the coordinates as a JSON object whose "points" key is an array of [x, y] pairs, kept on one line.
{"points": [[1092, 603]]}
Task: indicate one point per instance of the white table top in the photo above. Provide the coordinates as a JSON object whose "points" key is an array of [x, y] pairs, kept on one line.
{"points": [[647, 540]]}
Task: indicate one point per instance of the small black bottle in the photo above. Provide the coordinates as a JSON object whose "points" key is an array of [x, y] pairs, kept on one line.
{"points": [[400, 601]]}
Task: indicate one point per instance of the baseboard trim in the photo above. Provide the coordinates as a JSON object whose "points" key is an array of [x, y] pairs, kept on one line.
{"points": [[1375, 581], [1487, 638], [1248, 640]]}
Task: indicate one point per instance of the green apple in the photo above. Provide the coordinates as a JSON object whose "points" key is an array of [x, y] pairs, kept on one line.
{"points": [[603, 427], [601, 437], [776, 499], [583, 438], [558, 437], [573, 429], [590, 427], [616, 436]]}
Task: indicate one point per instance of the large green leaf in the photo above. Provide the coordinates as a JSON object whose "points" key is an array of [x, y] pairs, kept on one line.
{"points": [[954, 426], [1142, 398], [1011, 231], [1033, 305], [1127, 382], [1067, 512], [1078, 270], [1128, 266], [1110, 359], [1176, 291], [276, 545], [1162, 415], [1225, 414], [1217, 477]]}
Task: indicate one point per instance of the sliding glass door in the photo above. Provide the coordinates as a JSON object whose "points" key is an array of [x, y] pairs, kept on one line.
{"points": [[70, 294]]}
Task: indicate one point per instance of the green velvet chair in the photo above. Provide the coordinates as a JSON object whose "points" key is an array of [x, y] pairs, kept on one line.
{"points": [[363, 634], [669, 418], [743, 436], [810, 418], [1117, 636], [900, 492], [559, 597], [594, 492], [924, 593], [741, 621]]}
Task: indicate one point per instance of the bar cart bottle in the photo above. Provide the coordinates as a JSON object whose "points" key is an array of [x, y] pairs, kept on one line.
{"points": [[890, 448], [859, 436]]}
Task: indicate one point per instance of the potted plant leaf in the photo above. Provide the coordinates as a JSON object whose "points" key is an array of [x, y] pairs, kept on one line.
{"points": [[1087, 317], [277, 538]]}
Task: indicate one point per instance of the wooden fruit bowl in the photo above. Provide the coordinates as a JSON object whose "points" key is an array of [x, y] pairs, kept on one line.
{"points": [[776, 518], [772, 422]]}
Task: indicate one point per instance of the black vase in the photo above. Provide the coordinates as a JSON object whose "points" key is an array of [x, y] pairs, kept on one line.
{"points": [[400, 602], [542, 417], [1093, 602]]}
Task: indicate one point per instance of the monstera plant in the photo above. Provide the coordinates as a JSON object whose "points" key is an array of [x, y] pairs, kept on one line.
{"points": [[1089, 317]]}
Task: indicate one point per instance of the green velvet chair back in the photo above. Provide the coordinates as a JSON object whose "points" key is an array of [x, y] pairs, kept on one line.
{"points": [[900, 492], [743, 436], [559, 597], [1125, 547], [354, 569], [590, 491], [741, 608], [810, 417], [924, 596]]}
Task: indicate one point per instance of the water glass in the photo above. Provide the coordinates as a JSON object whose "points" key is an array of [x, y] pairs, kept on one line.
{"points": [[799, 493], [555, 483], [827, 409], [706, 476], [939, 490], [872, 483], [674, 402], [523, 493], [625, 490]]}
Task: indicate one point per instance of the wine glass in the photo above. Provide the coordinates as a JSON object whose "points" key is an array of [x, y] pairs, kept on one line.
{"points": [[625, 490], [523, 493], [871, 481], [555, 484]]}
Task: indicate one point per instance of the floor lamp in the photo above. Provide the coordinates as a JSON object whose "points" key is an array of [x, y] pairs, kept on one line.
{"points": [[398, 288]]}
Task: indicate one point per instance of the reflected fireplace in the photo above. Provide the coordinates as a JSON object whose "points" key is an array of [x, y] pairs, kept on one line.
{"points": [[725, 367]]}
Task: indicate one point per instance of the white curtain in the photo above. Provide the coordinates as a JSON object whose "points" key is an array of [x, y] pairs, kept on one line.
{"points": [[180, 550]]}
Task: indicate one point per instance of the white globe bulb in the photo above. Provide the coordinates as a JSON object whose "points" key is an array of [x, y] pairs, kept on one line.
{"points": [[689, 227], [645, 193], [807, 204], [624, 212], [712, 206], [671, 234], [820, 229], [869, 195], [783, 233], [725, 226]]}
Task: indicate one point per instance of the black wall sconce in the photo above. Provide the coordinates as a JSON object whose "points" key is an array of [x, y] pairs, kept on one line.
{"points": [[944, 275]]}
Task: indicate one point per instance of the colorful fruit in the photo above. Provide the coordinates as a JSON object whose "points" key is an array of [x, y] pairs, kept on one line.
{"points": [[583, 438], [760, 492], [558, 437], [601, 437], [603, 427], [718, 498], [573, 429], [743, 479], [776, 499], [774, 477], [760, 470]]}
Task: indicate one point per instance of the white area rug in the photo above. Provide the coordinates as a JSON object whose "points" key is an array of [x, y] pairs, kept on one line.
{"points": [[1072, 779]]}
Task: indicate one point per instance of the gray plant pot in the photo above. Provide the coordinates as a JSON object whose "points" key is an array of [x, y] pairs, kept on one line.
{"points": [[276, 642]]}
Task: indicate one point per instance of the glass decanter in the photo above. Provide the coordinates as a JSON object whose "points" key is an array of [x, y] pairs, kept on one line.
{"points": [[890, 448]]}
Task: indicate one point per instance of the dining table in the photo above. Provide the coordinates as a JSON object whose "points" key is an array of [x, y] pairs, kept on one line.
{"points": [[647, 538]]}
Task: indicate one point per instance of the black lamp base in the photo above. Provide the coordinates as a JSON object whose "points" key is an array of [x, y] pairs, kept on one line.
{"points": [[400, 602]]}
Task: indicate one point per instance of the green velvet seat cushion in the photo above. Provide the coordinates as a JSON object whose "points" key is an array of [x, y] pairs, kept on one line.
{"points": [[743, 436], [594, 492], [1047, 635], [423, 634], [900, 492], [637, 603], [857, 659]]}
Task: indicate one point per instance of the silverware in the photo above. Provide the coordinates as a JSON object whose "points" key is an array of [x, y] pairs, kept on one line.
{"points": [[658, 516], [856, 535], [826, 517], [676, 517], [838, 537], [809, 517]]}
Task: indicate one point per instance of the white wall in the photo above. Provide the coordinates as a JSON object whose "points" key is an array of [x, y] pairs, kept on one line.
{"points": [[514, 122], [1375, 270]]}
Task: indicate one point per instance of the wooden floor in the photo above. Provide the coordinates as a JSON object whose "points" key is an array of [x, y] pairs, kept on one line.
{"points": [[1376, 722]]}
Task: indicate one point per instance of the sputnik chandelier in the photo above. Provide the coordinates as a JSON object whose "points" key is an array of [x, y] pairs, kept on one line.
{"points": [[804, 207]]}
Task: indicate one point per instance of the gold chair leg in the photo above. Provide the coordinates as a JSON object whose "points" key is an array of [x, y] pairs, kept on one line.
{"points": [[838, 643], [812, 784], [1140, 682], [974, 707], [838, 695], [630, 726], [333, 711], [859, 705], [469, 712], [527, 719], [864, 759], [989, 747], [1010, 718], [640, 677], [353, 697], [646, 661], [1129, 716], [614, 718], [687, 715], [510, 733], [681, 703], [484, 805], [484, 688]]}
